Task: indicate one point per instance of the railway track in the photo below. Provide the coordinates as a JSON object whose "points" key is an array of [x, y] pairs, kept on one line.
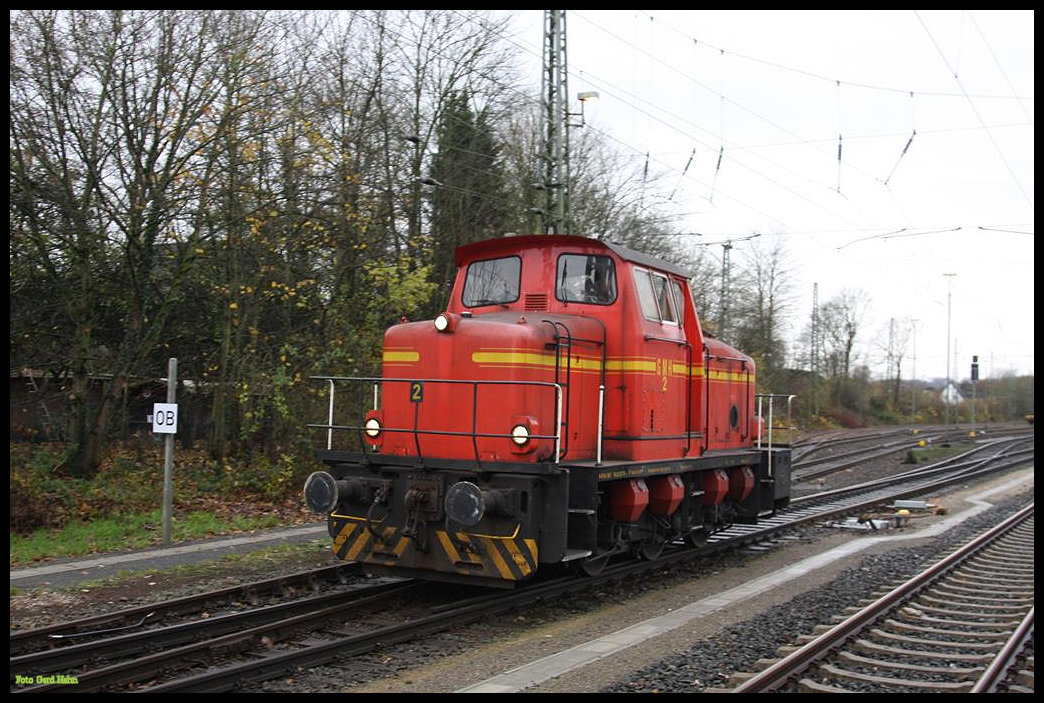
{"points": [[803, 450], [111, 661], [960, 626], [277, 640], [839, 457], [862, 497], [131, 619]]}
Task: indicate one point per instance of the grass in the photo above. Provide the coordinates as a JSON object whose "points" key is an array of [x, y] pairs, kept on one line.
{"points": [[54, 514], [123, 532], [936, 452]]}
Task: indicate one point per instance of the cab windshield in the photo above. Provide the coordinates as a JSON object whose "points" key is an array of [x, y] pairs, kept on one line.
{"points": [[492, 282]]}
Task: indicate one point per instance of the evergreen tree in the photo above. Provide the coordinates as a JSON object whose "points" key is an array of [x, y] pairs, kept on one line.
{"points": [[468, 201]]}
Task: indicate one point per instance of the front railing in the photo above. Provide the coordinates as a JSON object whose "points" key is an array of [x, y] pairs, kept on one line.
{"points": [[771, 425], [416, 431]]}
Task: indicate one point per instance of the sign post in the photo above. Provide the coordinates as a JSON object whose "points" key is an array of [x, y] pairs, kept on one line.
{"points": [[974, 378], [165, 421]]}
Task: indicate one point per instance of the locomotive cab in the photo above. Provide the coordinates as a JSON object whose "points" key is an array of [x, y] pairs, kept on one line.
{"points": [[565, 407]]}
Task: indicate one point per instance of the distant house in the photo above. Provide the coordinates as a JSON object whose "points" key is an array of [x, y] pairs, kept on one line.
{"points": [[951, 395], [33, 406], [39, 403]]}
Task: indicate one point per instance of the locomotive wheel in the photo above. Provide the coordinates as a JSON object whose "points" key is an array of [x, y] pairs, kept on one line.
{"points": [[651, 551], [594, 565], [696, 539]]}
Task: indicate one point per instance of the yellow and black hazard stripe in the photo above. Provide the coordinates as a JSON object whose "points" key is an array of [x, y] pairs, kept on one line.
{"points": [[511, 558], [355, 542]]}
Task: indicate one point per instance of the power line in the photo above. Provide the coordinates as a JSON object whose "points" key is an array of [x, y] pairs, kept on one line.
{"points": [[810, 74], [971, 104], [799, 139], [612, 89], [673, 168]]}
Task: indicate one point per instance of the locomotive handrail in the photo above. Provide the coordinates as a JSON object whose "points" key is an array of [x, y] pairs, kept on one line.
{"points": [[771, 426], [706, 397], [771, 399], [569, 368], [601, 394], [601, 385], [474, 434]]}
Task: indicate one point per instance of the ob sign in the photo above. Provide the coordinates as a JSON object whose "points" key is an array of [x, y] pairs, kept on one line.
{"points": [[165, 418]]}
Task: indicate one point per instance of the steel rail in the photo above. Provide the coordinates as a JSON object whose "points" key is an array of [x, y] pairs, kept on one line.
{"points": [[133, 617], [1013, 648], [150, 664], [777, 674]]}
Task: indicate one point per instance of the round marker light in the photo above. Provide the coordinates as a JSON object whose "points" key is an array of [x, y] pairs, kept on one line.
{"points": [[373, 427], [520, 434], [442, 323]]}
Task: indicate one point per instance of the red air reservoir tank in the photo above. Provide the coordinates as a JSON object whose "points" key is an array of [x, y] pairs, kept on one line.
{"points": [[629, 499], [715, 486], [665, 494]]}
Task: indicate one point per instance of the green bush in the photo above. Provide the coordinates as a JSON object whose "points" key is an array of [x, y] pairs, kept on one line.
{"points": [[41, 494], [130, 481]]}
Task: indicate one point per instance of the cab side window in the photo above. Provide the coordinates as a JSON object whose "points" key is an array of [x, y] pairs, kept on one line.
{"points": [[656, 296], [679, 299], [664, 298], [585, 279]]}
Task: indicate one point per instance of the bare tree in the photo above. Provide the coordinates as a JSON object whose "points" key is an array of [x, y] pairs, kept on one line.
{"points": [[244, 188], [437, 54], [254, 134], [762, 295], [892, 344], [103, 111], [841, 321], [704, 283]]}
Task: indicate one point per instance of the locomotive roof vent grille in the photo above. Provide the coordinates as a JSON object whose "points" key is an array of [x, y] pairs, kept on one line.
{"points": [[536, 302]]}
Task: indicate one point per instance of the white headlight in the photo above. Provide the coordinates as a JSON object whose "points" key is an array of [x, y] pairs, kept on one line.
{"points": [[373, 428], [442, 323], [520, 434]]}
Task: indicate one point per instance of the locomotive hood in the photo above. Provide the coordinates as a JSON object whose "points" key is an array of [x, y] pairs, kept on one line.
{"points": [[497, 383], [515, 342], [719, 349]]}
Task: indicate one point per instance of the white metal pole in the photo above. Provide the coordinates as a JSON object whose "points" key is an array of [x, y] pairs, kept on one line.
{"points": [[168, 454], [329, 418], [601, 414]]}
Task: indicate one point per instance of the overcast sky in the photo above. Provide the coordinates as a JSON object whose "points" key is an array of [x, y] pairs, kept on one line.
{"points": [[774, 92]]}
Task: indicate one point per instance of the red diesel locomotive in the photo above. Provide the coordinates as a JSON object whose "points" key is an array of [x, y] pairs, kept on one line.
{"points": [[565, 408]]}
